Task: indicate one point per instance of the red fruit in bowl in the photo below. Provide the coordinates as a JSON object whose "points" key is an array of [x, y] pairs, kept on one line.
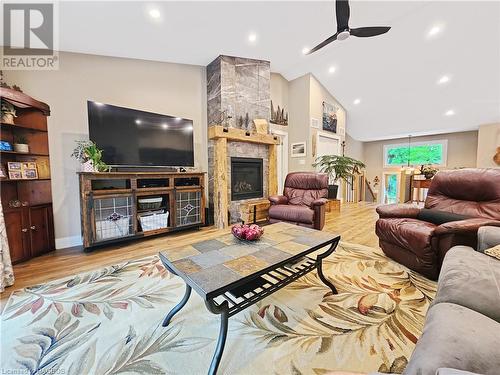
{"points": [[238, 230], [252, 234]]}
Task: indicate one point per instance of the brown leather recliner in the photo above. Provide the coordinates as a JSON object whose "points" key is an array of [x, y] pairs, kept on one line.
{"points": [[421, 245], [303, 200]]}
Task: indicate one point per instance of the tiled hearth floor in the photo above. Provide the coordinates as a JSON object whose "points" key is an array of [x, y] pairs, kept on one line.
{"points": [[355, 223]]}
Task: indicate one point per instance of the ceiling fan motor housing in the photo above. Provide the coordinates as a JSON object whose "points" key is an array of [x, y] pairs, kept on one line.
{"points": [[343, 35]]}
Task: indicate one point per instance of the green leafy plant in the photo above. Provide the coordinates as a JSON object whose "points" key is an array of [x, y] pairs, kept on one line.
{"points": [[20, 140], [88, 151], [339, 167], [428, 171]]}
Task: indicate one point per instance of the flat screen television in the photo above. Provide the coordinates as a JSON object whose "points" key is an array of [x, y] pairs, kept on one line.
{"points": [[129, 137]]}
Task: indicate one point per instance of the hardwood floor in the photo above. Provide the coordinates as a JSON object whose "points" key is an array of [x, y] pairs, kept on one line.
{"points": [[355, 223]]}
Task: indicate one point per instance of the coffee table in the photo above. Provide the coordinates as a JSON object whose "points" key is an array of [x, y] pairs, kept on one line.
{"points": [[231, 275]]}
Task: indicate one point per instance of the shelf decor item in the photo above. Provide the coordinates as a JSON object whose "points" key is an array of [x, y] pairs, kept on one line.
{"points": [[90, 156], [261, 126], [5, 146], [22, 170], [338, 167], [247, 232], [428, 171], [8, 112], [21, 144]]}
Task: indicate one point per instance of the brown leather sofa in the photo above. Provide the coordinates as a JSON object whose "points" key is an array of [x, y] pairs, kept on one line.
{"points": [[303, 200], [471, 199]]}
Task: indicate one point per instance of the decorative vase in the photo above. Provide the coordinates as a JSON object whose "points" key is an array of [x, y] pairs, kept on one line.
{"points": [[88, 166], [21, 147]]}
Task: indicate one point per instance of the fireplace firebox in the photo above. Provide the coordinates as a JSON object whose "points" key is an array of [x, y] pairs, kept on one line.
{"points": [[246, 178]]}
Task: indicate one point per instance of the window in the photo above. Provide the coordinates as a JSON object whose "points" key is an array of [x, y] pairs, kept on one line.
{"points": [[433, 152]]}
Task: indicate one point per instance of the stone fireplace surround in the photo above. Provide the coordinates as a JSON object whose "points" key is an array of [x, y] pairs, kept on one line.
{"points": [[240, 88]]}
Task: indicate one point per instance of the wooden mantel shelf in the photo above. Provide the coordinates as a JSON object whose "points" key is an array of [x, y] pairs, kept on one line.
{"points": [[233, 134]]}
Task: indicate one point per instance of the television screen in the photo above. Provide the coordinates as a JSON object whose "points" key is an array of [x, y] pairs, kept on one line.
{"points": [[130, 137]]}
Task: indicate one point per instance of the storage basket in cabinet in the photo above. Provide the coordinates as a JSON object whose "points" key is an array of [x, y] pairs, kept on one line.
{"points": [[153, 221], [149, 203]]}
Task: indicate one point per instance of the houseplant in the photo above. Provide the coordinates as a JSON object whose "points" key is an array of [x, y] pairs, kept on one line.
{"points": [[8, 112], [21, 144], [428, 171], [90, 156], [338, 168]]}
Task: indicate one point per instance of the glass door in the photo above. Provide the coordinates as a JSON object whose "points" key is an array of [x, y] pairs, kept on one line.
{"points": [[390, 188]]}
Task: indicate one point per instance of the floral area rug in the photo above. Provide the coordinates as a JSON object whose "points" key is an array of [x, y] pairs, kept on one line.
{"points": [[109, 322]]}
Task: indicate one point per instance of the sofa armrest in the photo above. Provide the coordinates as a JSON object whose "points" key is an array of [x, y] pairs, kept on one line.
{"points": [[398, 210], [487, 237], [470, 226], [319, 202], [278, 199]]}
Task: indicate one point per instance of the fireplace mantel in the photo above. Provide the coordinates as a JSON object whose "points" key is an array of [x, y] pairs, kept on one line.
{"points": [[233, 134], [221, 136]]}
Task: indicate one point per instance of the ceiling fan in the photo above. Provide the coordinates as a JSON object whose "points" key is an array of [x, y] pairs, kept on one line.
{"points": [[343, 29]]}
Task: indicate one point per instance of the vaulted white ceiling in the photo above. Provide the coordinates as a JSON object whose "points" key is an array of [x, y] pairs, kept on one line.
{"points": [[395, 75]]}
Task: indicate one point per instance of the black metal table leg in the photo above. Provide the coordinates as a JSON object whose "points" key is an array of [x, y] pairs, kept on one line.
{"points": [[319, 266], [177, 307], [223, 310]]}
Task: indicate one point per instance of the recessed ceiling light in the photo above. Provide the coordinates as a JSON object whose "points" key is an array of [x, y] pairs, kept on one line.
{"points": [[449, 112], [305, 50], [434, 30], [155, 13], [138, 122], [443, 79], [357, 101], [331, 69], [252, 37]]}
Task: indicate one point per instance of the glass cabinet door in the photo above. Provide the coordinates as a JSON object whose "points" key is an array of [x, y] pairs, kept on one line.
{"points": [[188, 208], [113, 217]]}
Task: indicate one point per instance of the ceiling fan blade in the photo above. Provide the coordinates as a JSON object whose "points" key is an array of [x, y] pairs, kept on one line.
{"points": [[342, 12], [365, 32], [323, 43]]}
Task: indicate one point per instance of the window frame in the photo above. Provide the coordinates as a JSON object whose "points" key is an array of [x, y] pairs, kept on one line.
{"points": [[443, 142]]}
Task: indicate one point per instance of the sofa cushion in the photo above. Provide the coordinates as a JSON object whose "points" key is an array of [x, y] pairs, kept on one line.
{"points": [[291, 213], [412, 234], [456, 337], [439, 217], [472, 280]]}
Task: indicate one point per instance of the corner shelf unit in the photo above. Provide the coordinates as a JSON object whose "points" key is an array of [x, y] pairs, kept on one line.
{"points": [[27, 204], [110, 207]]}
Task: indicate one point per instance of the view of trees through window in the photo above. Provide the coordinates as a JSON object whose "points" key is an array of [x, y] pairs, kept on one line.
{"points": [[418, 154]]}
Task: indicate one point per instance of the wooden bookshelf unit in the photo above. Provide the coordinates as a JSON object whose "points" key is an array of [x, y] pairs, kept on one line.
{"points": [[111, 205], [27, 203]]}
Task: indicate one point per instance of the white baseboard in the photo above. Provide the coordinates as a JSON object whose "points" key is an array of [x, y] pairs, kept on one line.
{"points": [[64, 242]]}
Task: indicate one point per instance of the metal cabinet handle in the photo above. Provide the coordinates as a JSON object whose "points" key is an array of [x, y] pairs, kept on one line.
{"points": [[33, 227], [24, 230]]}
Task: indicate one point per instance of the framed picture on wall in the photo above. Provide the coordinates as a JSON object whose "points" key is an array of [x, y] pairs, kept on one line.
{"points": [[314, 123], [298, 149], [330, 117]]}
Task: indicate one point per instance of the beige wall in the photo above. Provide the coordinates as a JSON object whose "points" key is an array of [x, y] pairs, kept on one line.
{"points": [[279, 91], [462, 151], [306, 96], [173, 89], [354, 148], [487, 143]]}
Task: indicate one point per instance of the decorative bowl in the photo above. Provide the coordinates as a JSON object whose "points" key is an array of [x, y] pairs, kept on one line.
{"points": [[246, 232]]}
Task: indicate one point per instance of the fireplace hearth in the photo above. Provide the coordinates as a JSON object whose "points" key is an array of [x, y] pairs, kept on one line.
{"points": [[246, 178]]}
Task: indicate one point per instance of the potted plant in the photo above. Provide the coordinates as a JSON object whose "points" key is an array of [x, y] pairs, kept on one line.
{"points": [[8, 112], [338, 168], [90, 156], [428, 171], [21, 144]]}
